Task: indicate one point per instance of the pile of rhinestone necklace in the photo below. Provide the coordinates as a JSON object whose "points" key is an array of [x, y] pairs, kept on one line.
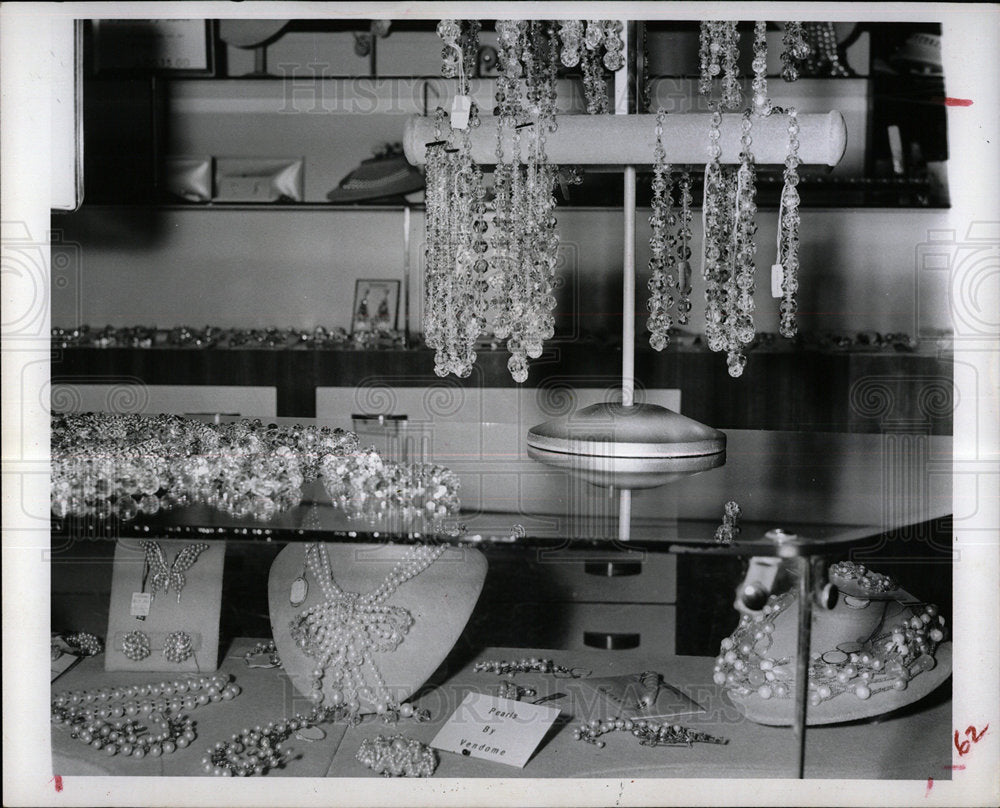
{"points": [[113, 465], [344, 631], [885, 661]]}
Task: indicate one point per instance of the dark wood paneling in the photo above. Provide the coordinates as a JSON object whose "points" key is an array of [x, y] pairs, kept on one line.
{"points": [[780, 389]]}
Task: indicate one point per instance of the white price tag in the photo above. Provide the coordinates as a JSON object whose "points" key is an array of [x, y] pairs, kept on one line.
{"points": [[460, 109], [777, 276], [141, 601], [491, 728]]}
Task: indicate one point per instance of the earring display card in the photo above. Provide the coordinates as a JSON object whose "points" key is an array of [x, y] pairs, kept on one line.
{"points": [[135, 608]]}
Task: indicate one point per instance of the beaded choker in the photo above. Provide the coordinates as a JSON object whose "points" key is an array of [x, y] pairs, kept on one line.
{"points": [[344, 632]]}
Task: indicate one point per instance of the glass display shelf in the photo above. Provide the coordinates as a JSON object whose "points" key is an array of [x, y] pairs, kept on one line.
{"points": [[800, 494]]}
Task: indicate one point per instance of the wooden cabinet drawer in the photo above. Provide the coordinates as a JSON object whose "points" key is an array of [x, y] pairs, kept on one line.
{"points": [[576, 626], [566, 574]]}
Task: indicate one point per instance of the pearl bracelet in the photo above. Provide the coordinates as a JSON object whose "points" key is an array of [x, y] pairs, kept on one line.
{"points": [[397, 756]]}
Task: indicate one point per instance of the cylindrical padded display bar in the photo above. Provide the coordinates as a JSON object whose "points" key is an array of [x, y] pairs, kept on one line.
{"points": [[629, 139]]}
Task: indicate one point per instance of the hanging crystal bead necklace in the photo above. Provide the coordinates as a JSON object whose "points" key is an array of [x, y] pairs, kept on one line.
{"points": [[662, 255], [344, 632]]}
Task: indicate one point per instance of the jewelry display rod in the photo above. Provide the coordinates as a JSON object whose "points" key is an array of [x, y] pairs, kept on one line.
{"points": [[620, 437], [197, 613], [622, 140]]}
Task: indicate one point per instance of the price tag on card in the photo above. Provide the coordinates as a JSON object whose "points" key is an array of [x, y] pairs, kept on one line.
{"points": [[777, 278], [141, 602], [461, 107], [491, 728]]}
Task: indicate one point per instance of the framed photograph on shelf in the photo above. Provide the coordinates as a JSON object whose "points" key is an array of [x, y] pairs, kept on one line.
{"points": [[376, 305], [156, 46]]}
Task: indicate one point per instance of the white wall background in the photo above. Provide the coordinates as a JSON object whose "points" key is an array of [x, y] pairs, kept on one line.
{"points": [[861, 269]]}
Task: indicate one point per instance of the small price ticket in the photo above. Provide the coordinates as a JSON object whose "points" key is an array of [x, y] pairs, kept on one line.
{"points": [[141, 601], [491, 728]]}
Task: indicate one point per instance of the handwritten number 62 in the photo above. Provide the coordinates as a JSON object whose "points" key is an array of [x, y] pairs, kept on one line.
{"points": [[963, 747]]}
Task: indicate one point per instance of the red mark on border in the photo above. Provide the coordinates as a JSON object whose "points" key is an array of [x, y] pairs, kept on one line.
{"points": [[960, 767], [58, 781], [952, 102], [930, 785], [965, 746]]}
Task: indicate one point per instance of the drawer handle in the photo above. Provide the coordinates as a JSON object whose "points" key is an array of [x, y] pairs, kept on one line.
{"points": [[610, 641], [612, 569]]}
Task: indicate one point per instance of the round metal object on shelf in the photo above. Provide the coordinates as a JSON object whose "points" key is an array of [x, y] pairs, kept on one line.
{"points": [[638, 432], [627, 472]]}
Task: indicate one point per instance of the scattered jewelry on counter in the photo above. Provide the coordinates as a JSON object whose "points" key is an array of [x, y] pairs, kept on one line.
{"points": [[730, 528], [885, 661], [254, 751], [872, 582], [111, 718], [649, 733], [177, 647], [533, 665], [397, 756], [515, 692], [135, 645], [343, 632], [267, 647], [163, 576], [84, 643]]}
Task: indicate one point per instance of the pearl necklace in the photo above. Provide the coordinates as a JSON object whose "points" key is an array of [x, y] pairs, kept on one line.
{"points": [[347, 628], [110, 718], [883, 662]]}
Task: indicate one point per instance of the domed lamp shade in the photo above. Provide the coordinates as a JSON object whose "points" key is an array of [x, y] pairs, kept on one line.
{"points": [[637, 446]]}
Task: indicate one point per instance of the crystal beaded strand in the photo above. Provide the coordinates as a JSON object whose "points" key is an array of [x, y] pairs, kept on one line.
{"points": [[741, 302], [761, 102], [732, 94], [449, 31], [788, 232], [571, 34], [716, 215], [613, 45], [683, 244], [662, 257], [794, 50]]}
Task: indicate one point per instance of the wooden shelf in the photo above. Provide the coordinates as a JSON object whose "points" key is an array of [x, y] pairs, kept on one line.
{"points": [[781, 388]]}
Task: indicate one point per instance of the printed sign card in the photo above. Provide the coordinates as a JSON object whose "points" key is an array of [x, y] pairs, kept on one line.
{"points": [[491, 728]]}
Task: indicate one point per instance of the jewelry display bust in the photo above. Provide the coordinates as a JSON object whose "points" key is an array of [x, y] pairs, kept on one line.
{"points": [[439, 600]]}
